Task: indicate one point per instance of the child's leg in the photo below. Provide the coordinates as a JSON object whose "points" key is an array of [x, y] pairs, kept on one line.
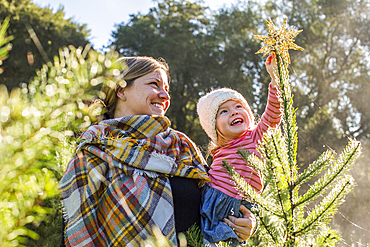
{"points": [[215, 206]]}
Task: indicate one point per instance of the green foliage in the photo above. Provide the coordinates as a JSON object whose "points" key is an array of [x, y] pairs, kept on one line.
{"points": [[38, 34], [194, 237], [158, 240], [330, 76], [5, 46], [38, 125], [49, 231], [350, 221]]}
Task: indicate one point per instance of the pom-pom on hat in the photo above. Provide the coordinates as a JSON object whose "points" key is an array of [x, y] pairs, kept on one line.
{"points": [[208, 105]]}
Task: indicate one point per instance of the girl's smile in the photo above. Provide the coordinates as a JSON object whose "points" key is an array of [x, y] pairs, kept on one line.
{"points": [[232, 119]]}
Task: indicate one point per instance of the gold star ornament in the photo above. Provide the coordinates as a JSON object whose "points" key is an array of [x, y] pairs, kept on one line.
{"points": [[279, 41]]}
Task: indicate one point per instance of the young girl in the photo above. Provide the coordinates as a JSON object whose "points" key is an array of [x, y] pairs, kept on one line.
{"points": [[228, 120]]}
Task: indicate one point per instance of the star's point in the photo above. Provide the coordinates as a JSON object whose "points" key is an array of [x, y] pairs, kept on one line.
{"points": [[278, 40]]}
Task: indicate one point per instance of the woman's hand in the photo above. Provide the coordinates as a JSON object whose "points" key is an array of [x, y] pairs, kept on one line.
{"points": [[243, 227], [271, 67]]}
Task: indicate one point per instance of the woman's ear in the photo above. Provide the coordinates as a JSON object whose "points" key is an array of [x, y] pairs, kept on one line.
{"points": [[121, 94]]}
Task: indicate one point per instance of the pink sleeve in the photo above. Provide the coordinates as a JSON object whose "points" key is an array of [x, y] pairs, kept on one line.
{"points": [[272, 115]]}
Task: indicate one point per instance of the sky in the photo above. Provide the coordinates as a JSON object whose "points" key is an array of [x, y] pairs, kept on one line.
{"points": [[101, 15]]}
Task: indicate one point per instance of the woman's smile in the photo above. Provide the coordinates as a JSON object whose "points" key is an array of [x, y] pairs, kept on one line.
{"points": [[147, 96]]}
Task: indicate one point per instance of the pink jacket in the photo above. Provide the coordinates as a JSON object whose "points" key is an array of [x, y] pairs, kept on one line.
{"points": [[220, 178]]}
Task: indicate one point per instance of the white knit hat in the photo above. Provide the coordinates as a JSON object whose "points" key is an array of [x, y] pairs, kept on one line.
{"points": [[208, 105]]}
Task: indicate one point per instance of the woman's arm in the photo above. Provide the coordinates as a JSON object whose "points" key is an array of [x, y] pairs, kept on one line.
{"points": [[243, 227]]}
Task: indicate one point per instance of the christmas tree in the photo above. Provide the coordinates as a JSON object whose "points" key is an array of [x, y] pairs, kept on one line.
{"points": [[39, 123], [283, 215]]}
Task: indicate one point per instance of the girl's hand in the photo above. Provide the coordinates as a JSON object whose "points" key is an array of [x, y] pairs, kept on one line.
{"points": [[271, 67], [243, 227]]}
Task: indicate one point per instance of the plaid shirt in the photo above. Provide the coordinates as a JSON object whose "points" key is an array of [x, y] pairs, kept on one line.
{"points": [[116, 188]]}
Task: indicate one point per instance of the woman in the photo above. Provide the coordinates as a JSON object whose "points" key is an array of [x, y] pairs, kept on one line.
{"points": [[132, 171]]}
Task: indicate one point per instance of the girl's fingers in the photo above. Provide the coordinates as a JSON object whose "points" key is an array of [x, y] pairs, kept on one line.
{"points": [[268, 60]]}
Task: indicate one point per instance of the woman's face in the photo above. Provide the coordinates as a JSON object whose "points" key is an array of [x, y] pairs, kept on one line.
{"points": [[148, 95]]}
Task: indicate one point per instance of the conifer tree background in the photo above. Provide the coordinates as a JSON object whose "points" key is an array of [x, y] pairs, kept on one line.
{"points": [[284, 217], [38, 125]]}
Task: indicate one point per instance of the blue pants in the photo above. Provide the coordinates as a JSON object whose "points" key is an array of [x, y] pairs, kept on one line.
{"points": [[215, 206]]}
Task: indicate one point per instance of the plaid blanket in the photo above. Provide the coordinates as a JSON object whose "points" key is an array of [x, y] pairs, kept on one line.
{"points": [[116, 188]]}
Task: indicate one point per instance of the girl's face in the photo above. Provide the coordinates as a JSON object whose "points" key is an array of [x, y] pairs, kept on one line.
{"points": [[232, 120], [147, 96]]}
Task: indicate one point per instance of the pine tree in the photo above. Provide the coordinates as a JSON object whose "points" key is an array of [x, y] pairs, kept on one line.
{"points": [[283, 214], [5, 45], [38, 124]]}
